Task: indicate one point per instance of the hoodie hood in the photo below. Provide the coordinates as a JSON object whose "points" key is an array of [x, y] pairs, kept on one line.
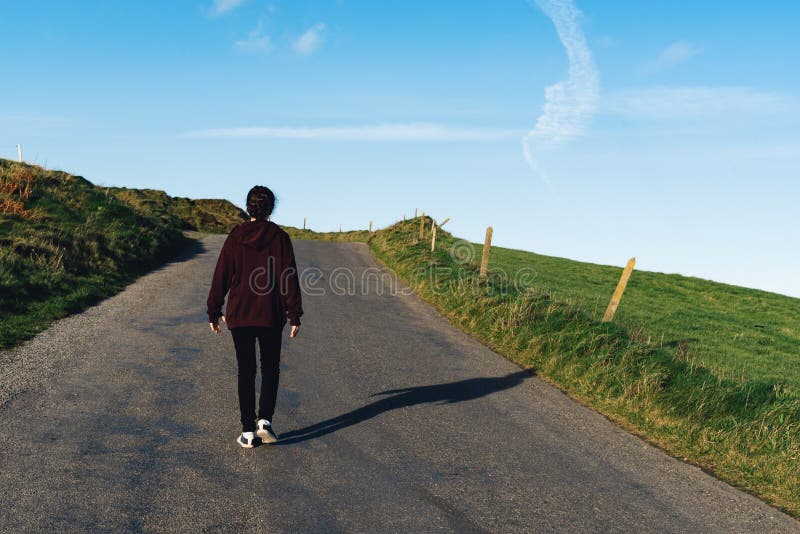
{"points": [[258, 234]]}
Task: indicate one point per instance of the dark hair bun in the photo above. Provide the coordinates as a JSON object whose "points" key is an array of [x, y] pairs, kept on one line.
{"points": [[260, 202]]}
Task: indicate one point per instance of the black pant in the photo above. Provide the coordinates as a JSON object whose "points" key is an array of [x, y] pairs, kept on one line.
{"points": [[269, 342]]}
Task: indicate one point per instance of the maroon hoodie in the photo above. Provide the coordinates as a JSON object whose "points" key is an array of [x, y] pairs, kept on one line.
{"points": [[257, 265]]}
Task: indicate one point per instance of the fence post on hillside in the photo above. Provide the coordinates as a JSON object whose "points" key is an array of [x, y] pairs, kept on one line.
{"points": [[340, 228], [415, 213], [422, 227], [487, 244], [617, 296], [19, 152], [304, 223], [370, 227], [433, 232]]}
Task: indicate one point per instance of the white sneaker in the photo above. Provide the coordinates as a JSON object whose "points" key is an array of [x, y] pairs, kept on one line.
{"points": [[246, 440], [265, 432]]}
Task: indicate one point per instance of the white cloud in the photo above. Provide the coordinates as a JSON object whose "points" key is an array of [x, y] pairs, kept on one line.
{"points": [[220, 7], [676, 53], [569, 104], [256, 41], [310, 40], [376, 132], [682, 103]]}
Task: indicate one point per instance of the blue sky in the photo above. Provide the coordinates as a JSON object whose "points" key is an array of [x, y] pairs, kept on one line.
{"points": [[592, 130]]}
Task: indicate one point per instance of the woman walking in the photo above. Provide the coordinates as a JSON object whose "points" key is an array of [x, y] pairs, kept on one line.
{"points": [[257, 269]]}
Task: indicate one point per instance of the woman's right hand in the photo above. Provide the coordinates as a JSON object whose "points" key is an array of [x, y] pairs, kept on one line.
{"points": [[293, 331], [215, 326]]}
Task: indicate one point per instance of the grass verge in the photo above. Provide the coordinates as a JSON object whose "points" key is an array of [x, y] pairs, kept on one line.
{"points": [[66, 244], [746, 431]]}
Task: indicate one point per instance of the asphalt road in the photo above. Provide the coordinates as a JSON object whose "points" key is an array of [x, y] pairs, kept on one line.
{"points": [[124, 418]]}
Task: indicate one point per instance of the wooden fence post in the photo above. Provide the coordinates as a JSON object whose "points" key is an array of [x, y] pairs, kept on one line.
{"points": [[19, 152], [370, 227], [304, 223], [422, 227], [617, 296], [433, 232], [415, 213], [487, 244], [340, 228]]}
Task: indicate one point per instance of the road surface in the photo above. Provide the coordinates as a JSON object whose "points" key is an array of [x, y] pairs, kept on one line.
{"points": [[124, 418]]}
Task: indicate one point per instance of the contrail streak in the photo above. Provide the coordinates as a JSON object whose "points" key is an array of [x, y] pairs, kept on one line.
{"points": [[569, 104]]}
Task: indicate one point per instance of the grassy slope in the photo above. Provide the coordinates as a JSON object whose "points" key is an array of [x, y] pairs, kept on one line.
{"points": [[202, 215], [746, 430], [66, 243], [738, 333]]}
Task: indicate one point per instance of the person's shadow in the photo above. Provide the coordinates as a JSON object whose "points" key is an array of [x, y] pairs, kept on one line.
{"points": [[451, 392]]}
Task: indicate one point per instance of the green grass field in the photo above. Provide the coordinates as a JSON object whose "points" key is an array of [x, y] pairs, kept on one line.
{"points": [[683, 365], [737, 333]]}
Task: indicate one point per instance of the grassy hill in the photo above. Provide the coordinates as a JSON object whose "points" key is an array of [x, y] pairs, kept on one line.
{"points": [[66, 243], [737, 333], [202, 215], [707, 371]]}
